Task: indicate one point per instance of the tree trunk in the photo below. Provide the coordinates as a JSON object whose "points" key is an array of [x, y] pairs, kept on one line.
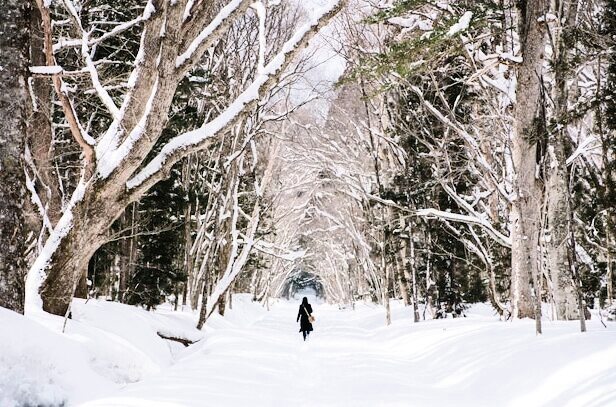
{"points": [[429, 283], [39, 131], [402, 282], [609, 275], [203, 310], [575, 278], [89, 219], [222, 304], [385, 286], [528, 129], [413, 266], [557, 184], [68, 264], [403, 273], [558, 243], [14, 43]]}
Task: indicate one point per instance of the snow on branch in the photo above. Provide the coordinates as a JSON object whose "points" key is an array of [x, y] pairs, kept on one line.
{"points": [[285, 254], [386, 202], [456, 217], [462, 203], [85, 53], [206, 37], [468, 139], [74, 43], [46, 70], [110, 159], [583, 148], [108, 152], [261, 12], [201, 138], [80, 136]]}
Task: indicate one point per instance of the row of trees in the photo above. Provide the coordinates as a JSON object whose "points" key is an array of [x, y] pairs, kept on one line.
{"points": [[502, 111], [118, 98], [467, 154]]}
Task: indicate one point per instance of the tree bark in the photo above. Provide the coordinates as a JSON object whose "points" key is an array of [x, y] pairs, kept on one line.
{"points": [[557, 184], [402, 282], [39, 130], [403, 273], [203, 310], [70, 261], [14, 44], [609, 275], [412, 264], [528, 128]]}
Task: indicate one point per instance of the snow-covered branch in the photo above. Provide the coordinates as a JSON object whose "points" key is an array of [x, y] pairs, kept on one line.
{"points": [[456, 217], [212, 32], [201, 138]]}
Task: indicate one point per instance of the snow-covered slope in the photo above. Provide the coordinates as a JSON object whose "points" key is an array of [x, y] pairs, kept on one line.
{"points": [[257, 358], [105, 346]]}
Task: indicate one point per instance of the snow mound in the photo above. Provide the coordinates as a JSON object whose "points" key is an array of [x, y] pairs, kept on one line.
{"points": [[29, 375], [105, 346]]}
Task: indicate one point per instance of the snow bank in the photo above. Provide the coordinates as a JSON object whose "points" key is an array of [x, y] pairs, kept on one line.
{"points": [[257, 358], [111, 356], [105, 346]]}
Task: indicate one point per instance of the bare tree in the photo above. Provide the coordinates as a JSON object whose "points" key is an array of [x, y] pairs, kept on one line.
{"points": [[116, 167]]}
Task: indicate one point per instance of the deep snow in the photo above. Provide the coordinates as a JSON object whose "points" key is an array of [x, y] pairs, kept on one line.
{"points": [[111, 356]]}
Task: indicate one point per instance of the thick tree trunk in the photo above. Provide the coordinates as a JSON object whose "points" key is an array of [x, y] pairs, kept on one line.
{"points": [[557, 244], [68, 265], [91, 218], [557, 183], [528, 129], [39, 131], [39, 141], [14, 43]]}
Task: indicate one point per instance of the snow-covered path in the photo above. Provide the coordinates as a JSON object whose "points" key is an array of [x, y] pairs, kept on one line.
{"points": [[257, 358]]}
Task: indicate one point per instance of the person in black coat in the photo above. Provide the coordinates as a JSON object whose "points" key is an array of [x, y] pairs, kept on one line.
{"points": [[303, 316]]}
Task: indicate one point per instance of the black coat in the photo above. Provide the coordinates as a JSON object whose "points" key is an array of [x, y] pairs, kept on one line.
{"points": [[302, 317]]}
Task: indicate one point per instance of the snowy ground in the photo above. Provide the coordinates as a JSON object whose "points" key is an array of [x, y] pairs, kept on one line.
{"points": [[257, 358]]}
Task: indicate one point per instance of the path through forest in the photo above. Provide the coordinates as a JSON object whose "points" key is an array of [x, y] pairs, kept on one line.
{"points": [[257, 358]]}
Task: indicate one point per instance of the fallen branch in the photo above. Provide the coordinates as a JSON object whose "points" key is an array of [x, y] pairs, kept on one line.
{"points": [[183, 341]]}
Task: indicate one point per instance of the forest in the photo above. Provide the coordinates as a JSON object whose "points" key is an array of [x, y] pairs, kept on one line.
{"points": [[429, 158]]}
